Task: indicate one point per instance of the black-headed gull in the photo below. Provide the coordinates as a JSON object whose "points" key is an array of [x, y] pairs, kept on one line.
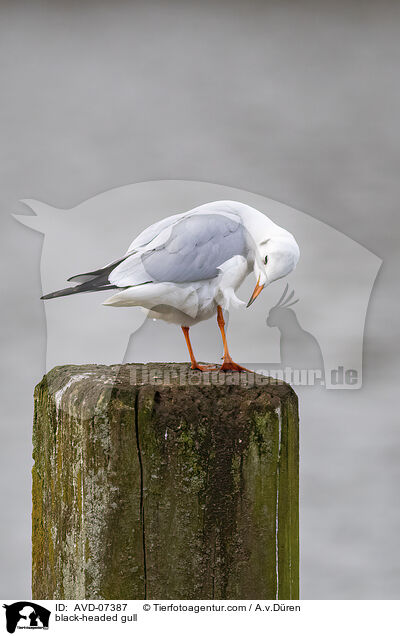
{"points": [[187, 267]]}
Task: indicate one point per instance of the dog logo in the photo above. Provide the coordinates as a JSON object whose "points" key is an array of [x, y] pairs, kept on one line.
{"points": [[325, 331], [26, 615]]}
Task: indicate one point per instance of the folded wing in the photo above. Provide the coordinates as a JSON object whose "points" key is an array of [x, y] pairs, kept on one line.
{"points": [[183, 248], [194, 249]]}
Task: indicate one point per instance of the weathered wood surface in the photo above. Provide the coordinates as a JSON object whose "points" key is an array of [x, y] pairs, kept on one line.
{"points": [[176, 491]]}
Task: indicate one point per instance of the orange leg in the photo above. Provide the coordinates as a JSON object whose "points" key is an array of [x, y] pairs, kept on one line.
{"points": [[195, 364], [228, 364]]}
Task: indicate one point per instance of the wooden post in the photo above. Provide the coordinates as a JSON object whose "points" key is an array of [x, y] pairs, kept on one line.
{"points": [[154, 481]]}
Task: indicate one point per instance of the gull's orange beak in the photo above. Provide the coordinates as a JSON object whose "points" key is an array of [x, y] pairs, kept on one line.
{"points": [[257, 291]]}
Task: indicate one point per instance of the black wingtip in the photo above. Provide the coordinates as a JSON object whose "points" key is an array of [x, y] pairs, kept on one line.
{"points": [[60, 292]]}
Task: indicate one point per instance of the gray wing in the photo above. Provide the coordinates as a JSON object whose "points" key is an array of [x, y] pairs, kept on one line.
{"points": [[196, 247]]}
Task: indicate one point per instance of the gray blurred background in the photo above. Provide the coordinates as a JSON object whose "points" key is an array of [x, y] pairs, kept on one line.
{"points": [[297, 101]]}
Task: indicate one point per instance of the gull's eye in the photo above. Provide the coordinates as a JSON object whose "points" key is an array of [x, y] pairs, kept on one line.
{"points": [[266, 260]]}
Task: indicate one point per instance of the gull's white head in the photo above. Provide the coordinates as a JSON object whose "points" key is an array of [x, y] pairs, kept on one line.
{"points": [[273, 249], [274, 258]]}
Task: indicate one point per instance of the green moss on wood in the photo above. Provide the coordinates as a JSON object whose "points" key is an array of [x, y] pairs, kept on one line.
{"points": [[163, 491]]}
